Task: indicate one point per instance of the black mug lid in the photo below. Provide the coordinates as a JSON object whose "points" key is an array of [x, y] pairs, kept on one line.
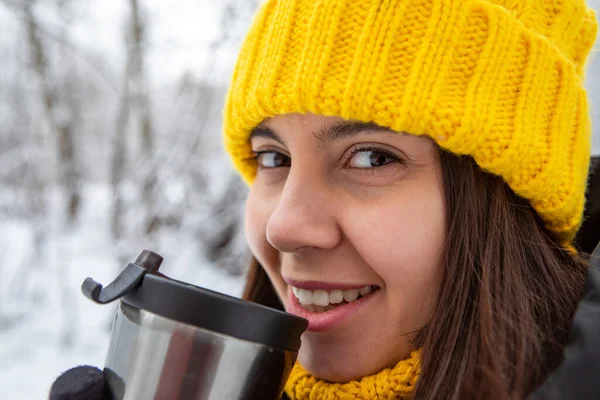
{"points": [[142, 286]]}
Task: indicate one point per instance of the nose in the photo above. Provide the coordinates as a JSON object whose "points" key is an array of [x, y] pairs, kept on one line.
{"points": [[304, 218]]}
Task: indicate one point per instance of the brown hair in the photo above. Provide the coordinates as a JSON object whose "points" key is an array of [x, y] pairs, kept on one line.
{"points": [[507, 298]]}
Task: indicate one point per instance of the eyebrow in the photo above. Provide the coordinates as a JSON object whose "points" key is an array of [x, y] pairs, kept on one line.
{"points": [[339, 131]]}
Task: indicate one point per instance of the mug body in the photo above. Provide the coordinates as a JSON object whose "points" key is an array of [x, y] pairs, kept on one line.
{"points": [[153, 357]]}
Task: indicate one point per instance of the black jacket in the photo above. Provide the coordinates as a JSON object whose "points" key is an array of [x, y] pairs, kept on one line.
{"points": [[578, 377]]}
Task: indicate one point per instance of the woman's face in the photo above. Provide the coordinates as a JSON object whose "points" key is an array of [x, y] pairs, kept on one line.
{"points": [[341, 209]]}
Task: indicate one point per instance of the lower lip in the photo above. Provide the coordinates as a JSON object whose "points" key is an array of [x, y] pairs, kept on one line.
{"points": [[327, 320]]}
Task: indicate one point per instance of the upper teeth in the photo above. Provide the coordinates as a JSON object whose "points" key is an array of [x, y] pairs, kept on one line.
{"points": [[325, 297]]}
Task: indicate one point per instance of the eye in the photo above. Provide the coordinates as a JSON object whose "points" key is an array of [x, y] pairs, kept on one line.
{"points": [[371, 158], [272, 159]]}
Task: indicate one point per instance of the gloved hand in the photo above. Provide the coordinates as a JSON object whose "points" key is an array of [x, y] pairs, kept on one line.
{"points": [[80, 383]]}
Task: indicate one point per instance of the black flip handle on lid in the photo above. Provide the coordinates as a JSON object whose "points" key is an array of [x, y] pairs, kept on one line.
{"points": [[131, 276]]}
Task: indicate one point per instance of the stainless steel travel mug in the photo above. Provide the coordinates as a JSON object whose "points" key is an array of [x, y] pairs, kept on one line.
{"points": [[172, 340]]}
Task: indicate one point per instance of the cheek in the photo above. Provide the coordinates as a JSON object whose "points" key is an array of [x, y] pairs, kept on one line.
{"points": [[403, 242]]}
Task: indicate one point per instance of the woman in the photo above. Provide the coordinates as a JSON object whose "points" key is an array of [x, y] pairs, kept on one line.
{"points": [[417, 175]]}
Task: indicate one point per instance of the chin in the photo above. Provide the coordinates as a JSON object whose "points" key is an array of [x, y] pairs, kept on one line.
{"points": [[334, 362], [329, 371]]}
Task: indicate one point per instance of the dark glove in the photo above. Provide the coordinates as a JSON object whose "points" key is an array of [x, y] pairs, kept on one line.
{"points": [[80, 383]]}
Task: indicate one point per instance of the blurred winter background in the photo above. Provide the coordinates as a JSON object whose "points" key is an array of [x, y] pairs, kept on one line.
{"points": [[110, 142]]}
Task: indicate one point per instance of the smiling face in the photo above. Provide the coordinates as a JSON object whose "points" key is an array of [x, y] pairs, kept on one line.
{"points": [[348, 218]]}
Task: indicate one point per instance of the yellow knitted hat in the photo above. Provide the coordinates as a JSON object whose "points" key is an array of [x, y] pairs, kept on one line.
{"points": [[500, 80]]}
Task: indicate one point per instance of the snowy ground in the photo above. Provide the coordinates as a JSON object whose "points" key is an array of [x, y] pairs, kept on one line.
{"points": [[60, 328]]}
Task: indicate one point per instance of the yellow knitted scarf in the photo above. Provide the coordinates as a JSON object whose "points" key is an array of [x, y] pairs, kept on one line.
{"points": [[391, 383]]}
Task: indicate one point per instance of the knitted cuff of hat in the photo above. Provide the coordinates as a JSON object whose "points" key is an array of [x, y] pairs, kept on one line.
{"points": [[391, 383], [499, 80]]}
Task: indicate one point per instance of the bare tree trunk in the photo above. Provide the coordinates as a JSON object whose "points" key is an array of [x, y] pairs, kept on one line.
{"points": [[138, 76], [134, 103], [24, 188], [61, 123], [119, 159]]}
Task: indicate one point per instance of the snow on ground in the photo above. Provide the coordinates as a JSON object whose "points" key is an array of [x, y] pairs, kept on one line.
{"points": [[60, 328]]}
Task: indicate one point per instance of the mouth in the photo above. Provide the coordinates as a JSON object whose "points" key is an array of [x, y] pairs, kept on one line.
{"points": [[325, 309]]}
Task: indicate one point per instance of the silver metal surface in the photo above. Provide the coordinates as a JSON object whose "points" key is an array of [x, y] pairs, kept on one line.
{"points": [[151, 357]]}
